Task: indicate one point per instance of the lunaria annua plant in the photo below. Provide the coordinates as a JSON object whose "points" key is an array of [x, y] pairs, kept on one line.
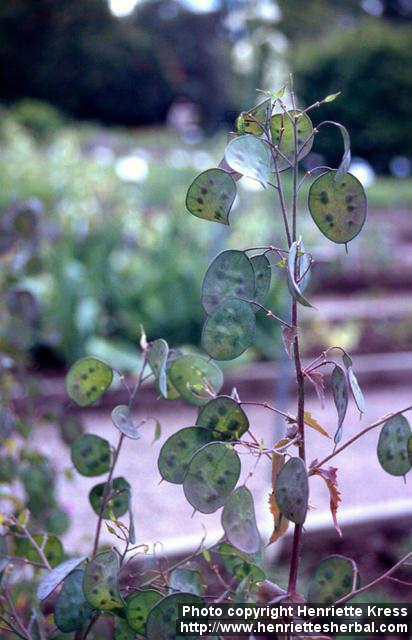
{"points": [[204, 458]]}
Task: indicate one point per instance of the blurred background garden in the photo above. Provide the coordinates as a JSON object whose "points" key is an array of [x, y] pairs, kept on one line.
{"points": [[108, 110]]}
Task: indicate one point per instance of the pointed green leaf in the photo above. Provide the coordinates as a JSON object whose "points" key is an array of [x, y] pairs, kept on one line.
{"points": [[211, 195], [91, 455], [293, 265], [138, 605], [53, 578], [118, 504], [285, 139], [186, 579], [356, 391], [225, 417], [230, 275], [212, 475], [87, 380], [123, 631], [251, 157], [239, 521], [196, 378], [340, 397], [263, 273], [123, 420], [161, 621], [338, 207], [230, 330], [334, 578], [72, 609], [178, 450], [292, 490], [101, 582], [157, 358], [393, 444]]}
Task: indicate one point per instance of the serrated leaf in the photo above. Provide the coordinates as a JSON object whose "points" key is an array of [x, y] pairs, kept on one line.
{"points": [[340, 398], [157, 355], [211, 195], [224, 417], [123, 420], [186, 579], [230, 275], [292, 490], [87, 380], [72, 609], [101, 582], [117, 504], [230, 330], [178, 450], [356, 391], [393, 446], [161, 621], [282, 133], [53, 578], [314, 424], [137, 607], [291, 275], [239, 521], [338, 207], [263, 274], [334, 578], [251, 157], [188, 372], [212, 475], [90, 455]]}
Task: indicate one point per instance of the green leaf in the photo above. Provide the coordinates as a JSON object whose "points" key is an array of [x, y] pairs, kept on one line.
{"points": [[245, 123], [334, 578], [230, 330], [356, 391], [138, 605], [72, 609], [157, 358], [87, 380], [157, 431], [263, 273], [161, 621], [54, 577], [239, 521], [286, 140], [51, 546], [230, 275], [101, 582], [251, 157], [211, 195], [178, 450], [293, 263], [225, 417], [340, 397], [91, 455], [292, 490], [118, 504], [122, 630], [186, 579], [212, 475], [393, 444], [338, 207], [123, 420], [196, 378]]}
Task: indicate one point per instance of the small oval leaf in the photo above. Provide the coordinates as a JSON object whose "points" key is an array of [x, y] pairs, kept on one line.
{"points": [[178, 450], [230, 275], [292, 490], [334, 578], [90, 455], [230, 330], [211, 195], [195, 378], [239, 521], [118, 503], [393, 443], [72, 609], [225, 417], [87, 380], [101, 582], [123, 420]]}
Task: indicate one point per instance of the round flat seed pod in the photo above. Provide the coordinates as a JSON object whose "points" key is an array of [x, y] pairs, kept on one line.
{"points": [[292, 490], [138, 605], [230, 275], [333, 579], [211, 195], [118, 503], [87, 380], [224, 417], [157, 359], [263, 273], [246, 122], [101, 582], [91, 455], [393, 443], [123, 631], [239, 521], [195, 378], [161, 621], [338, 207], [230, 330], [123, 420], [72, 609], [54, 577], [212, 475], [251, 157], [186, 579], [286, 141], [178, 450]]}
